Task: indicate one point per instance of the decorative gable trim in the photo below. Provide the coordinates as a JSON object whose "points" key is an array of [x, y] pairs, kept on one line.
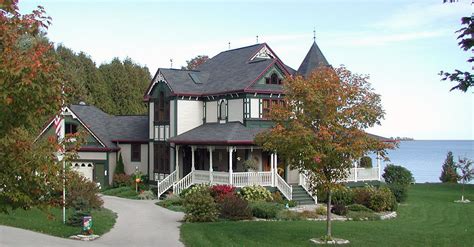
{"points": [[158, 78], [264, 53], [66, 111]]}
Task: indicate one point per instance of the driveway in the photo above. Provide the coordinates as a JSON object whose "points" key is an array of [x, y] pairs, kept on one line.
{"points": [[139, 223]]}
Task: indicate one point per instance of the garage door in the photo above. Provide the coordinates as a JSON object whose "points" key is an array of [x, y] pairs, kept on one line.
{"points": [[85, 169]]}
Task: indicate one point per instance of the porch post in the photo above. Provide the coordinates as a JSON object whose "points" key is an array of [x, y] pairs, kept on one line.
{"points": [[378, 164], [193, 148], [177, 161], [210, 164], [272, 161], [231, 149], [355, 171]]}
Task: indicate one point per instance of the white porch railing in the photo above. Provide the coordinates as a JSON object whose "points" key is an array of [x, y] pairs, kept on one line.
{"points": [[363, 174], [166, 183], [241, 179], [284, 188], [220, 178], [305, 183]]}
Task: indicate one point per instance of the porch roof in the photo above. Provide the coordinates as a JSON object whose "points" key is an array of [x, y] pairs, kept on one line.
{"points": [[232, 133]]}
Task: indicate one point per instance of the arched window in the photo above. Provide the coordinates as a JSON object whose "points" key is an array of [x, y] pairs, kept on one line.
{"points": [[222, 109], [273, 79]]}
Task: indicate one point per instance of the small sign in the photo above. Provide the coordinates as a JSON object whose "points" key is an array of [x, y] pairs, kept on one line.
{"points": [[86, 223]]}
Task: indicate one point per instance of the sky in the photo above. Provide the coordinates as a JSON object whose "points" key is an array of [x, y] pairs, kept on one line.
{"points": [[401, 44]]}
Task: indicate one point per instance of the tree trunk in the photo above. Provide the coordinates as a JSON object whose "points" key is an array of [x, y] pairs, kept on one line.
{"points": [[328, 220]]}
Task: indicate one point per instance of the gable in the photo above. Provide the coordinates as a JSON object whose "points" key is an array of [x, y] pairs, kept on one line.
{"points": [[157, 79]]}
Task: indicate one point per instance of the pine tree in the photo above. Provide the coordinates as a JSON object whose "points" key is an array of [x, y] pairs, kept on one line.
{"points": [[120, 169], [449, 173]]}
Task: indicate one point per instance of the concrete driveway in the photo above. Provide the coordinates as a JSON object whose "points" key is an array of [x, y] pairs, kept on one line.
{"points": [[139, 223]]}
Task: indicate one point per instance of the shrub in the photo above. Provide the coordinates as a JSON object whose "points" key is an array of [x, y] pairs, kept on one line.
{"points": [[255, 193], [309, 214], [321, 210], [198, 188], [121, 180], [399, 191], [362, 195], [120, 169], [397, 175], [339, 209], [291, 203], [233, 207], [218, 192], [342, 195], [146, 195], [199, 206], [171, 200], [358, 208], [382, 199], [366, 162], [362, 215], [82, 194], [81, 209], [288, 215], [265, 210], [277, 198]]}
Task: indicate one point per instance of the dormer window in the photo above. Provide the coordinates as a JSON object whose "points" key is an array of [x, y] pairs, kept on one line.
{"points": [[222, 110], [273, 79], [70, 128]]}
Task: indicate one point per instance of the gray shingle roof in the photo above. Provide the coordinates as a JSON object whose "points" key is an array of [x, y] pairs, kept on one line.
{"points": [[108, 127], [215, 133], [314, 59]]}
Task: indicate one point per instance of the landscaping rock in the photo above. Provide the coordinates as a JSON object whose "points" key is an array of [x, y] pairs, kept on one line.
{"points": [[388, 215], [332, 242], [84, 237]]}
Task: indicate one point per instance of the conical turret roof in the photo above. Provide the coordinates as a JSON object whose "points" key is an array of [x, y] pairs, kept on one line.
{"points": [[313, 60]]}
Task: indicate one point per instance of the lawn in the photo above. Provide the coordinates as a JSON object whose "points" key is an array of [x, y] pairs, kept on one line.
{"points": [[124, 192], [428, 218], [37, 220]]}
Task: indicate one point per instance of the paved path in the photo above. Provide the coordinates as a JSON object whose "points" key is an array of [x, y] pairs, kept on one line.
{"points": [[139, 223]]}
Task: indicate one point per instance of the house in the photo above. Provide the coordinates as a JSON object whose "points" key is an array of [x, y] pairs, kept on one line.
{"points": [[201, 126]]}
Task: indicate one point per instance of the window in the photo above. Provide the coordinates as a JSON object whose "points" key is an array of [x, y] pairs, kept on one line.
{"points": [[161, 157], [70, 128], [136, 152], [267, 105], [162, 109], [273, 79], [222, 109]]}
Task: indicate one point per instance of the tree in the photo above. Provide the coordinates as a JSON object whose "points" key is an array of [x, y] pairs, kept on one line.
{"points": [[29, 90], [467, 173], [319, 129], [464, 79], [194, 63], [449, 173], [120, 169]]}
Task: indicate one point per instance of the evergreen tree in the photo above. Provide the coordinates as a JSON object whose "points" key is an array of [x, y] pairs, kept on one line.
{"points": [[449, 173], [120, 169]]}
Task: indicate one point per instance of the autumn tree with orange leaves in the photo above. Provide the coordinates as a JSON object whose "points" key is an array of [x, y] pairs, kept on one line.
{"points": [[319, 129], [29, 91]]}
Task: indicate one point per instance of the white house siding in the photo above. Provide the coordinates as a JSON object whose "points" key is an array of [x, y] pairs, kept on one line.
{"points": [[172, 118], [236, 110], [129, 165], [112, 165], [254, 108], [189, 115], [151, 118], [92, 155], [211, 112], [293, 176]]}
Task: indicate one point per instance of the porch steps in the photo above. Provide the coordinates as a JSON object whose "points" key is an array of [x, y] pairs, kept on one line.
{"points": [[301, 196]]}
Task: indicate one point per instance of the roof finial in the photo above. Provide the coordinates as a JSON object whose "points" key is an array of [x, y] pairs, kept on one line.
{"points": [[229, 45], [257, 39], [314, 34], [171, 61]]}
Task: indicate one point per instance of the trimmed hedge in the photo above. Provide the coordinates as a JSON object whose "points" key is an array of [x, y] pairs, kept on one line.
{"points": [[265, 210]]}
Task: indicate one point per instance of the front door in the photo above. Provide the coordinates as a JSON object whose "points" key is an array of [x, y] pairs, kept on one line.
{"points": [[99, 174], [266, 161], [187, 159]]}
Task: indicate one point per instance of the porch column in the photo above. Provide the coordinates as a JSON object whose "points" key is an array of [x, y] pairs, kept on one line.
{"points": [[177, 161], [193, 148], [355, 171], [275, 169], [272, 164], [231, 149], [210, 163], [378, 164]]}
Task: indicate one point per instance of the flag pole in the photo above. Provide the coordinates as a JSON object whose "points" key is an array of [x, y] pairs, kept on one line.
{"points": [[63, 133]]}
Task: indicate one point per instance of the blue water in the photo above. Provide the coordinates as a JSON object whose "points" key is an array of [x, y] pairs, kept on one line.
{"points": [[425, 158]]}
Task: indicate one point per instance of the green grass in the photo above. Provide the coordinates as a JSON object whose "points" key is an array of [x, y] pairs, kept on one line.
{"points": [[124, 192], [37, 220], [428, 218]]}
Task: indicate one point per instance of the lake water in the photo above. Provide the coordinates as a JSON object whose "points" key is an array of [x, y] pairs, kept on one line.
{"points": [[425, 158]]}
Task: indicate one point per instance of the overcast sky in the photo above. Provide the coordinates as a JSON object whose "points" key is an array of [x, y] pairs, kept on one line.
{"points": [[401, 44]]}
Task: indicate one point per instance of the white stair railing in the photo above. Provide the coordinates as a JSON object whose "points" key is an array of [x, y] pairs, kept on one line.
{"points": [[166, 183], [283, 187], [184, 183], [305, 183]]}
